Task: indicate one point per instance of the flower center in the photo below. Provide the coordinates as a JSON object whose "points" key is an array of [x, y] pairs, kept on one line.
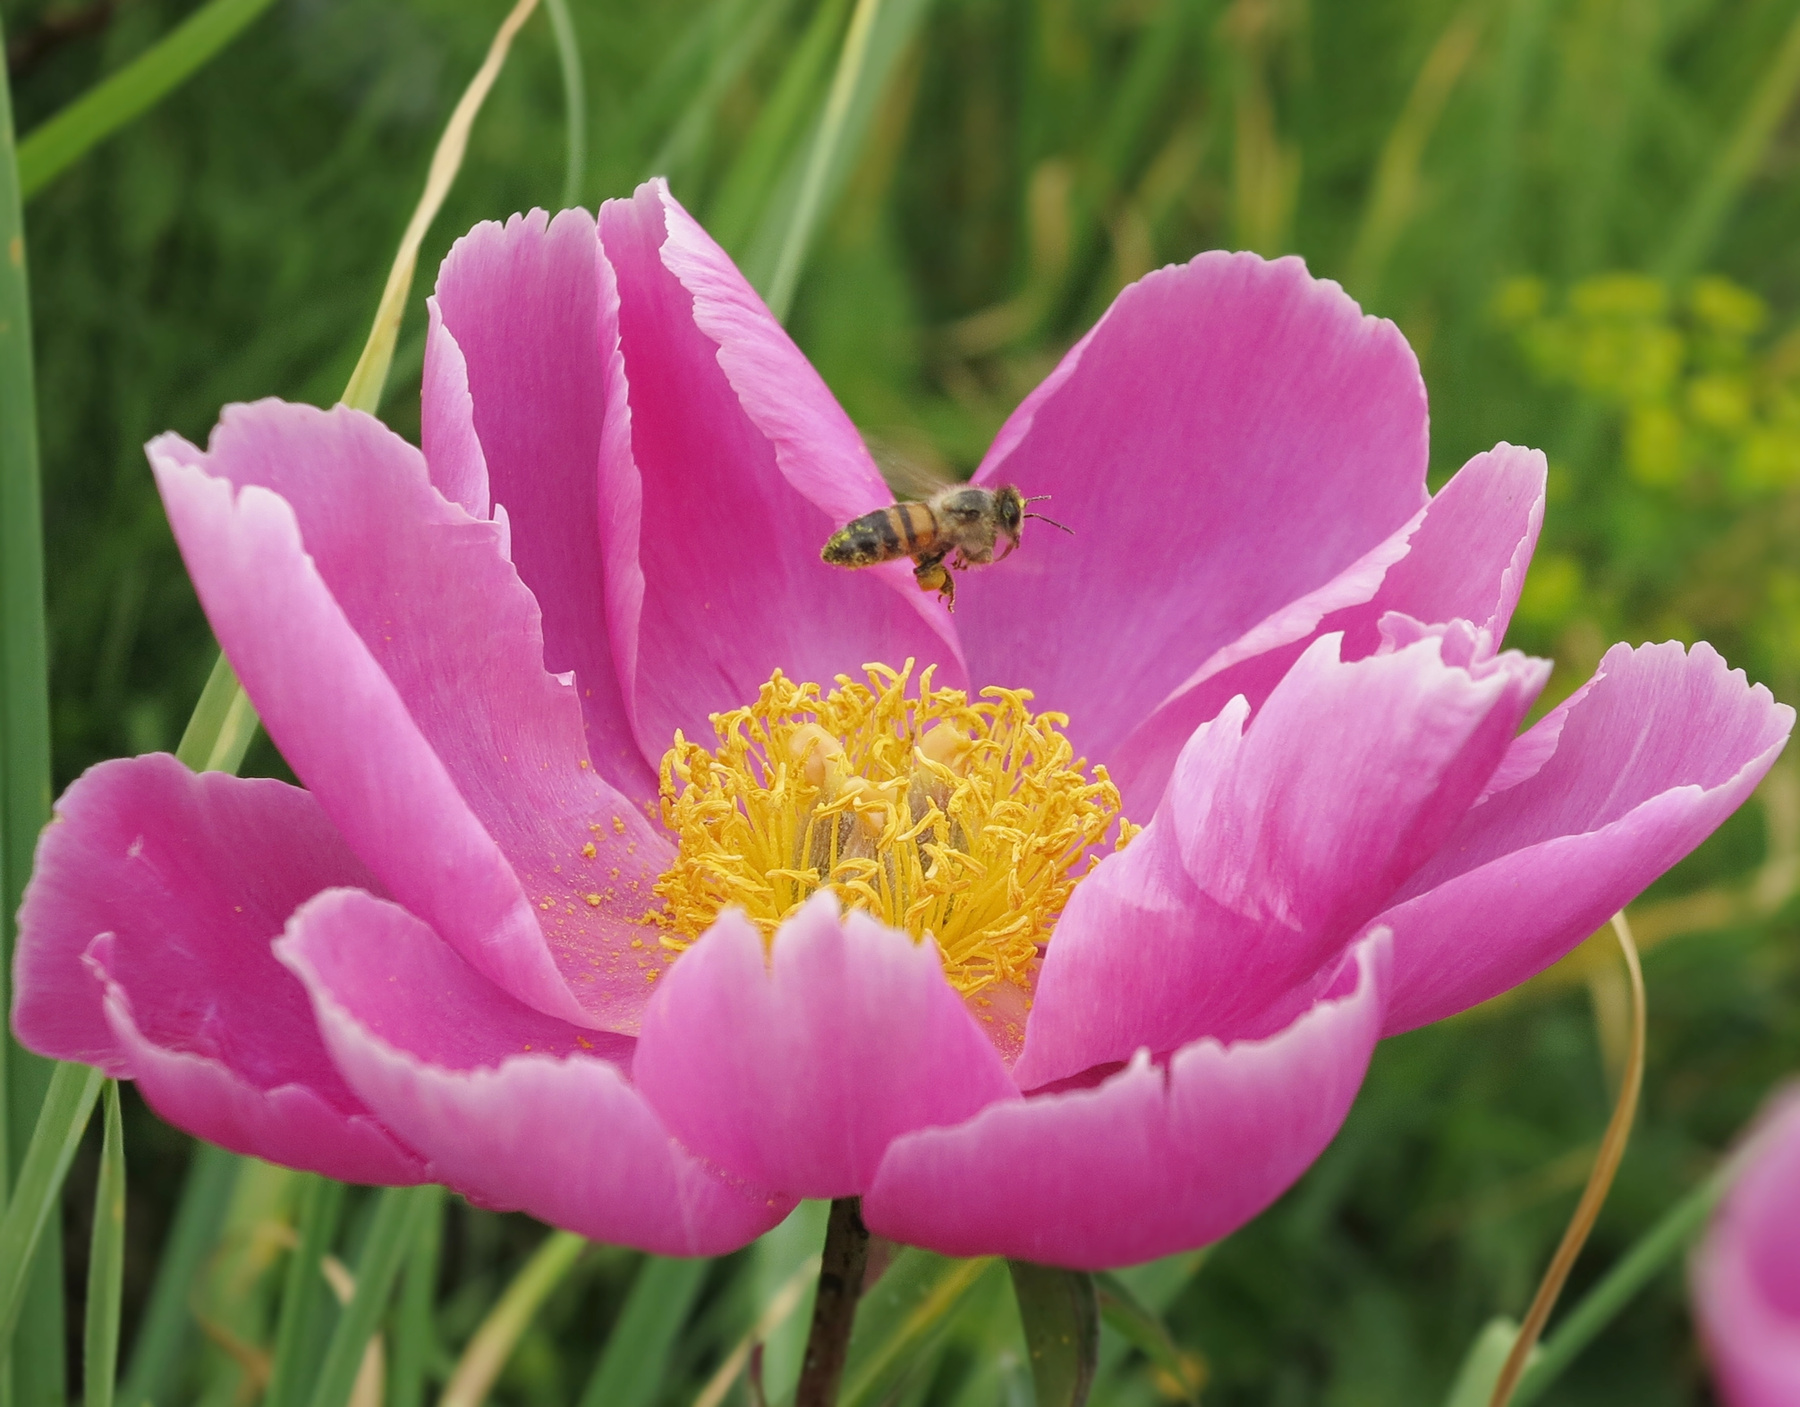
{"points": [[969, 823]]}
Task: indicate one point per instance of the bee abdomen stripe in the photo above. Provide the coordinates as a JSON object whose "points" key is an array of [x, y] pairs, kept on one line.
{"points": [[884, 529], [915, 522]]}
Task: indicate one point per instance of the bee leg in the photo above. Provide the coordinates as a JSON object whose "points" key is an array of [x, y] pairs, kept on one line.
{"points": [[931, 575]]}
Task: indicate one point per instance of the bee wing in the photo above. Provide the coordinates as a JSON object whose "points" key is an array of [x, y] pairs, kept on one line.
{"points": [[910, 466]]}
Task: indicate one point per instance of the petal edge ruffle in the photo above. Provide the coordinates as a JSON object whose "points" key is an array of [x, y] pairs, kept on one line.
{"points": [[144, 949], [513, 1108], [1658, 749], [797, 1069], [1149, 1162]]}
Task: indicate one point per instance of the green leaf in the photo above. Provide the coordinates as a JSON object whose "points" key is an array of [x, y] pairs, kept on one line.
{"points": [[1144, 1329], [61, 1122], [636, 1356], [167, 1323], [57, 144], [1061, 1313], [106, 1263], [900, 1320], [321, 1207], [391, 1236]]}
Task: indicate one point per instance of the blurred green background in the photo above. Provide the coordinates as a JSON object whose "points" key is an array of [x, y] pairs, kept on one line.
{"points": [[1581, 212]]}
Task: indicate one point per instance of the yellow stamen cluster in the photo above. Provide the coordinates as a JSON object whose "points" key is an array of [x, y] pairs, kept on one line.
{"points": [[965, 822]]}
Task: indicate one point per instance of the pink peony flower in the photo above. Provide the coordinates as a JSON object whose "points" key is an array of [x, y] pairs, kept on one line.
{"points": [[539, 929], [1746, 1275]]}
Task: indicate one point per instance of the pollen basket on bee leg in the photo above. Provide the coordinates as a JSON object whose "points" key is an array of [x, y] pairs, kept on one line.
{"points": [[966, 821]]}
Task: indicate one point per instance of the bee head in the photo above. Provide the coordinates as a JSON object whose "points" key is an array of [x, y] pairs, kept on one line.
{"points": [[1009, 509]]}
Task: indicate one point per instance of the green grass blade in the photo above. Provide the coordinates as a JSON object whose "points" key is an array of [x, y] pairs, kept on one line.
{"points": [[1153, 67], [790, 221], [222, 726], [492, 1344], [415, 1324], [1143, 1328], [223, 723], [24, 723], [106, 1263], [902, 1318], [733, 32], [321, 1207], [57, 144], [753, 178], [1727, 173], [636, 1356], [1483, 1364], [61, 1122], [167, 1324], [1635, 1269], [568, 55], [810, 204], [675, 88], [1520, 49], [234, 1304], [35, 1368], [391, 1236], [1395, 192], [369, 377]]}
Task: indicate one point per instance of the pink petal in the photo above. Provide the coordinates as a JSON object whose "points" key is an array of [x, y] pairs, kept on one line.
{"points": [[531, 310], [739, 466], [1746, 1275], [144, 949], [293, 1124], [1660, 747], [797, 1070], [453, 454], [513, 1108], [1152, 1161], [1462, 558], [1272, 848], [1467, 561], [1227, 439], [394, 655]]}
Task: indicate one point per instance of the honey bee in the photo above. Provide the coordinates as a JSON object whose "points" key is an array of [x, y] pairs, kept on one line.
{"points": [[955, 529]]}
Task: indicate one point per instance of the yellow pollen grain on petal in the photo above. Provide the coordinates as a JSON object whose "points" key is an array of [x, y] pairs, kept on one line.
{"points": [[966, 821]]}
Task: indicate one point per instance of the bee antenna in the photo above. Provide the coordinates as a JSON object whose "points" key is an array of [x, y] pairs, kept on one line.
{"points": [[1051, 521]]}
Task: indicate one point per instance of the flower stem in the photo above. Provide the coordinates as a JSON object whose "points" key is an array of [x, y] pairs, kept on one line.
{"points": [[1606, 1165], [834, 1310]]}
